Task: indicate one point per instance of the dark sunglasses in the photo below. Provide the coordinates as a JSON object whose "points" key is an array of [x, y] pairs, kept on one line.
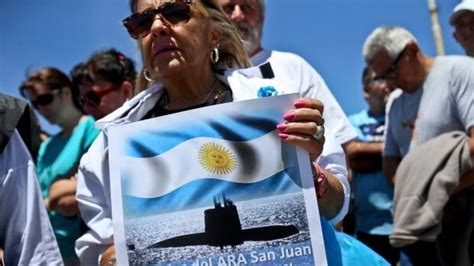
{"points": [[176, 13], [45, 99], [94, 98], [392, 71]]}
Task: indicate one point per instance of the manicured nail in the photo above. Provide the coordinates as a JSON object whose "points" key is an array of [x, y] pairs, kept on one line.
{"points": [[299, 103], [283, 136], [289, 116], [282, 127]]}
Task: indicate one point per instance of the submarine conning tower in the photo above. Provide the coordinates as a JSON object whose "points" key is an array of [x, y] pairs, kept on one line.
{"points": [[222, 224]]}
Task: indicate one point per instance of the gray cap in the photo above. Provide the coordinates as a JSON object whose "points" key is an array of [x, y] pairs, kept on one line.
{"points": [[463, 7]]}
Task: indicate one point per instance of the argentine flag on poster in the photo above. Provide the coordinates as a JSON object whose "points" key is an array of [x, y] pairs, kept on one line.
{"points": [[185, 161]]}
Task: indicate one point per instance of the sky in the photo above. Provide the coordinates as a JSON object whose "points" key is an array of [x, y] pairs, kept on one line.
{"points": [[329, 34]]}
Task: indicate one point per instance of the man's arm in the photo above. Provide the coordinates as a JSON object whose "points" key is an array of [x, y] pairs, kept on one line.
{"points": [[390, 165], [333, 200], [364, 156], [334, 204]]}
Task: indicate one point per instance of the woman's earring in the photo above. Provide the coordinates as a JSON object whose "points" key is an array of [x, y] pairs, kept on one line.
{"points": [[215, 55], [146, 75]]}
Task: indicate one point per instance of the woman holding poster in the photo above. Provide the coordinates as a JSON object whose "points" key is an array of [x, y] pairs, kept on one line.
{"points": [[188, 47]]}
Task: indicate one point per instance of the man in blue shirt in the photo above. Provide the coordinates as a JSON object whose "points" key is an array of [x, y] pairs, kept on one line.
{"points": [[372, 192]]}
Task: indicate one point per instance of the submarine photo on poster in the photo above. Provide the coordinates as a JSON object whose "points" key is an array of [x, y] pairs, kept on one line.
{"points": [[214, 186]]}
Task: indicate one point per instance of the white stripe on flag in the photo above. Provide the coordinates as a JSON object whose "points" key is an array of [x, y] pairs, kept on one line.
{"points": [[198, 158]]}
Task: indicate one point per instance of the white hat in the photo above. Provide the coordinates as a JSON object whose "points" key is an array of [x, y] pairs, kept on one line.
{"points": [[464, 6]]}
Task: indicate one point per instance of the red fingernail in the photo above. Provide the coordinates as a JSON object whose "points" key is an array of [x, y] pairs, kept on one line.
{"points": [[283, 136], [282, 127], [289, 116], [300, 103]]}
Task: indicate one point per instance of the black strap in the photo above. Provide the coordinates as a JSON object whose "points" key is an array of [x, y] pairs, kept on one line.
{"points": [[267, 71]]}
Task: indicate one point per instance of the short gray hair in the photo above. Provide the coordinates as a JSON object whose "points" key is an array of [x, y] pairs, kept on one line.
{"points": [[391, 38]]}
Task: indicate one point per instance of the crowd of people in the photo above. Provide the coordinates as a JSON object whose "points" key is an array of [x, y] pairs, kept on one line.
{"points": [[402, 168]]}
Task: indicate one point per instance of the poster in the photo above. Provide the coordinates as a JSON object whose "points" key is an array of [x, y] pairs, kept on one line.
{"points": [[214, 186]]}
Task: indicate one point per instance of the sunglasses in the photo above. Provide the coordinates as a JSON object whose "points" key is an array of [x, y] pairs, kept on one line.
{"points": [[45, 99], [176, 13], [392, 71], [94, 98]]}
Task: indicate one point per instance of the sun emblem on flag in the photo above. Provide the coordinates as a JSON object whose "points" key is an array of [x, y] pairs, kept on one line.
{"points": [[217, 159]]}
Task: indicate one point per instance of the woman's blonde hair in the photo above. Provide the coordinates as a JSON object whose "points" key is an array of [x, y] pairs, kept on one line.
{"points": [[232, 53]]}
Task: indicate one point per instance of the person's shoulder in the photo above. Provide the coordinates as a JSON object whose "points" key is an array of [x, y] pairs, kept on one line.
{"points": [[293, 64], [46, 144], [456, 68], [129, 107], [88, 121], [358, 115], [87, 126], [454, 62], [92, 131], [455, 58], [287, 56], [276, 57]]}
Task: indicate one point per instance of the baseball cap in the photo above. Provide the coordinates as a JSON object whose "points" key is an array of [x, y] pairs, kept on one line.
{"points": [[464, 6]]}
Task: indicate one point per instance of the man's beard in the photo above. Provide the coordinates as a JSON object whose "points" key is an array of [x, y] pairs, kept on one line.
{"points": [[250, 37]]}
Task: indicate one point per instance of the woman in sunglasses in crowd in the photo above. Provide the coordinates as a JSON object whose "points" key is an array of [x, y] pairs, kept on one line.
{"points": [[184, 45], [105, 82], [51, 93]]}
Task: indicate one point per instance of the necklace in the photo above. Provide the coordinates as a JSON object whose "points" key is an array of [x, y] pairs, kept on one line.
{"points": [[215, 85]]}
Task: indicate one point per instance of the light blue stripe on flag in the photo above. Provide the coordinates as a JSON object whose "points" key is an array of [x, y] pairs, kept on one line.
{"points": [[235, 128]]}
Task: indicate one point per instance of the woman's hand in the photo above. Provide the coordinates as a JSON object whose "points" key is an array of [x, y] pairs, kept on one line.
{"points": [[303, 125]]}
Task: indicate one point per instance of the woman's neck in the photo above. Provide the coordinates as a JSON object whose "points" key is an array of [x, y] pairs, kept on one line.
{"points": [[73, 119], [186, 92]]}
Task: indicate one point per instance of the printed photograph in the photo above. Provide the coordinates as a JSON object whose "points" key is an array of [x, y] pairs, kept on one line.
{"points": [[218, 189]]}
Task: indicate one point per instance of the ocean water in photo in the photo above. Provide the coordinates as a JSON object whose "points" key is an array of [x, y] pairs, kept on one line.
{"points": [[287, 209]]}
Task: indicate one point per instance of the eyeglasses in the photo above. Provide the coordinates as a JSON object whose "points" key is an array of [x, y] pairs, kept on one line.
{"points": [[176, 13], [45, 99], [377, 81], [94, 98], [392, 71]]}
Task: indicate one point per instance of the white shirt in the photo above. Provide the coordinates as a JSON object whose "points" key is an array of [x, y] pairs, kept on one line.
{"points": [[93, 188], [25, 231]]}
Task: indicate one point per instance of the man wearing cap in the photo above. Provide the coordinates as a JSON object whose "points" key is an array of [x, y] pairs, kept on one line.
{"points": [[462, 20]]}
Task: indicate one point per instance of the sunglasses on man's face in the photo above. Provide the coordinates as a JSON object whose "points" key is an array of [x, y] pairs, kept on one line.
{"points": [[45, 99], [93, 98], [391, 73], [176, 13]]}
